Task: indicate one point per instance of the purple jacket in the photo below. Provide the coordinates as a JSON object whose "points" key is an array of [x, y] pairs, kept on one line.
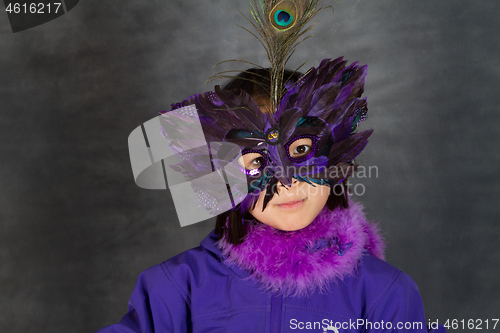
{"points": [[196, 292]]}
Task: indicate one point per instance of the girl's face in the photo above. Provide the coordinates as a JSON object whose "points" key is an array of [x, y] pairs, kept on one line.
{"points": [[294, 207]]}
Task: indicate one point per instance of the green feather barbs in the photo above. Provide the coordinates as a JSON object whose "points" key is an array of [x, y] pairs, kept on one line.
{"points": [[279, 26], [283, 15]]}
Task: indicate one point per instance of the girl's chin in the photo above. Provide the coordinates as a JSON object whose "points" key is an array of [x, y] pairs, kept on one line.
{"points": [[290, 226], [294, 228]]}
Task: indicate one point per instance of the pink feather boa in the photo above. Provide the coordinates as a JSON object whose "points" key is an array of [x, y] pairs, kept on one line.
{"points": [[298, 262]]}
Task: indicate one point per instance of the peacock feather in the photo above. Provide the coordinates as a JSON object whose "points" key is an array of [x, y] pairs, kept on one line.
{"points": [[280, 26]]}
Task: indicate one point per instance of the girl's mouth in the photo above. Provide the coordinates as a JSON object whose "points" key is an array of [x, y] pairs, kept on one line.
{"points": [[292, 204]]}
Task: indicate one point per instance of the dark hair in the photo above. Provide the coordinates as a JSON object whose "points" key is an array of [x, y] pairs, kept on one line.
{"points": [[256, 82]]}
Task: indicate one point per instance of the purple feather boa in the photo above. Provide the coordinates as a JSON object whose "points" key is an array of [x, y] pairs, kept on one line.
{"points": [[298, 262]]}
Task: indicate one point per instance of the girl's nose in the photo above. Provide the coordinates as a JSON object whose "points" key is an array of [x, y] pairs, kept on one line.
{"points": [[280, 184]]}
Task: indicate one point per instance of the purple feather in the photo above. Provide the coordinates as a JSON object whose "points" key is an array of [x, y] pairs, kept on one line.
{"points": [[298, 262], [325, 102]]}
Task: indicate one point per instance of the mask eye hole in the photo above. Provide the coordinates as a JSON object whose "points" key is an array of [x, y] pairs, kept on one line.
{"points": [[252, 162], [301, 148]]}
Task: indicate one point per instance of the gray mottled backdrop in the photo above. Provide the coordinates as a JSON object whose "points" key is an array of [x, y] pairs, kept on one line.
{"points": [[75, 231]]}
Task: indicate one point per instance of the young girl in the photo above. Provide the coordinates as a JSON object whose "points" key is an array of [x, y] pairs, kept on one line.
{"points": [[304, 259], [292, 251]]}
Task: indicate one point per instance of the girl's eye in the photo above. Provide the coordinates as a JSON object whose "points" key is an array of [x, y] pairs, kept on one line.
{"points": [[300, 148], [252, 161], [257, 163]]}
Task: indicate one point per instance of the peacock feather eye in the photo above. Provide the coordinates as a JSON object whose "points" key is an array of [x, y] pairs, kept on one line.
{"points": [[284, 15]]}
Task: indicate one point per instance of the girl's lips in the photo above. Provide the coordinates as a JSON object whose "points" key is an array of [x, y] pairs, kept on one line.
{"points": [[292, 204]]}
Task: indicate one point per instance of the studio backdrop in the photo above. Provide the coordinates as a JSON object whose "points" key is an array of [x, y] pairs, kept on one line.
{"points": [[75, 229]]}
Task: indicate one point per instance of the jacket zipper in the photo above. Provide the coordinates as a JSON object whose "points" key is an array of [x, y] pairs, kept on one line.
{"points": [[276, 310]]}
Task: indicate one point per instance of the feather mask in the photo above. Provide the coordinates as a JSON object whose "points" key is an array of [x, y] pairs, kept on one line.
{"points": [[220, 149], [311, 136]]}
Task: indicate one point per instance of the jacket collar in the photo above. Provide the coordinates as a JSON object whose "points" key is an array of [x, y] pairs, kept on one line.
{"points": [[299, 262]]}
